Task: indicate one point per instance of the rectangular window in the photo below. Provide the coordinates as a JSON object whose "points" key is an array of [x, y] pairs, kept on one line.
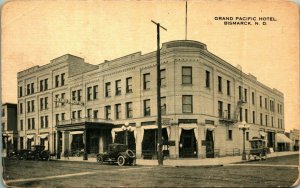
{"points": [[278, 108], [89, 93], [95, 113], [266, 120], [241, 114], [79, 114], [21, 108], [20, 91], [220, 109], [89, 113], [207, 79], [28, 106], [46, 84], [41, 103], [32, 106], [129, 85], [118, 111], [21, 125], [272, 121], [28, 124], [240, 93], [74, 115], [118, 87], [46, 102], [253, 117], [253, 98], [42, 121], [32, 123], [107, 112], [163, 107], [28, 89], [187, 75], [246, 115], [228, 87], [187, 104], [62, 79], [146, 81], [107, 89], [261, 119], [74, 95], [3, 112], [163, 77], [260, 101], [229, 111], [271, 105], [32, 88], [56, 80], [95, 94], [266, 103], [278, 123], [147, 108], [41, 85], [56, 101], [56, 118], [79, 92], [245, 95], [247, 135], [219, 83], [129, 110], [46, 121], [229, 134], [63, 97]]}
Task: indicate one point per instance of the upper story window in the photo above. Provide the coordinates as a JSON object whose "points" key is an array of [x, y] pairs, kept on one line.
{"points": [[3, 112], [56, 80], [146, 81], [163, 77], [32, 106], [74, 95], [107, 89], [245, 95], [147, 108], [41, 103], [92, 93], [79, 114], [21, 108], [241, 114], [62, 95], [79, 95], [20, 91], [129, 85], [253, 98], [129, 110], [74, 115], [253, 117], [108, 112], [261, 119], [43, 85], [46, 83], [260, 101], [21, 125], [187, 104], [266, 120], [118, 111], [219, 83], [207, 79], [95, 113], [246, 115], [228, 111], [62, 79], [240, 93], [89, 93], [118, 87], [89, 113], [56, 118], [266, 103], [56, 102], [187, 75], [228, 87], [220, 108], [30, 89], [163, 107], [95, 92]]}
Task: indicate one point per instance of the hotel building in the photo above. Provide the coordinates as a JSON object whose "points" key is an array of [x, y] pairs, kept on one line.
{"points": [[69, 104]]}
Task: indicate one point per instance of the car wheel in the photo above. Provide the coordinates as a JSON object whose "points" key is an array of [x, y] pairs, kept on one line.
{"points": [[130, 153], [100, 160], [121, 160]]}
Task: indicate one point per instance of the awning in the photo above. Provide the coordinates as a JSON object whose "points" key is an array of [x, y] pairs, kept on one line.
{"points": [[30, 136], [115, 130], [262, 133], [189, 126], [281, 138], [43, 136], [76, 132]]}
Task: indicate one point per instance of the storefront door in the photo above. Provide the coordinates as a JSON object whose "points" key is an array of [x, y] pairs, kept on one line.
{"points": [[209, 144], [188, 145]]}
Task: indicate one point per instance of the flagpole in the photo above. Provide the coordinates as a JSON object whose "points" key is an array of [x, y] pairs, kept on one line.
{"points": [[185, 20]]}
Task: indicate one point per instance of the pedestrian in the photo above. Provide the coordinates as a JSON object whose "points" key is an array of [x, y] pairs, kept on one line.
{"points": [[66, 154]]}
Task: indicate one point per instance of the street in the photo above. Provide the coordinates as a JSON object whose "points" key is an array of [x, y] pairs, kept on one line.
{"points": [[274, 172]]}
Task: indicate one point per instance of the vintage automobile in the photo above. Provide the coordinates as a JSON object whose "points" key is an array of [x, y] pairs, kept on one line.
{"points": [[37, 152], [117, 153], [258, 149], [17, 154]]}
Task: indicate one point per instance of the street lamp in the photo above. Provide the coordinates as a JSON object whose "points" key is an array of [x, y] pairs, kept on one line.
{"points": [[244, 126], [126, 128]]}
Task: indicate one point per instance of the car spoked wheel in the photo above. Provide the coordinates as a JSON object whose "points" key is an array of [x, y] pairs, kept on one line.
{"points": [[130, 153], [100, 160], [121, 160]]}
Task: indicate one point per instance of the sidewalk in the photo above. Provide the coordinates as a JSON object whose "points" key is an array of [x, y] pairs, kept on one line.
{"points": [[188, 161]]}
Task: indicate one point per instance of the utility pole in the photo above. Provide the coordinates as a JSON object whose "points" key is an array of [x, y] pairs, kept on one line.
{"points": [[160, 153]]}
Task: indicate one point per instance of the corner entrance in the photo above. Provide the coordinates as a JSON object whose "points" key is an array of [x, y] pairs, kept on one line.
{"points": [[188, 144]]}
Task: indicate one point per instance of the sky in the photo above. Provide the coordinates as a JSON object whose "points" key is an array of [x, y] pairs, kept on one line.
{"points": [[34, 32]]}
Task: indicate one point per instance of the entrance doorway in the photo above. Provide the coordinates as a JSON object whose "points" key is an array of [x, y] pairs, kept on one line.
{"points": [[121, 138], [271, 139], [188, 144], [149, 144], [209, 142]]}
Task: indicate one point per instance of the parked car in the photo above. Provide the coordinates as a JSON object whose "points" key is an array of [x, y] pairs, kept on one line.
{"points": [[117, 153], [18, 154], [37, 152], [258, 149]]}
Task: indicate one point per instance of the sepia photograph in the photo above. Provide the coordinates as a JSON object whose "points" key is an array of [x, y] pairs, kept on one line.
{"points": [[149, 93]]}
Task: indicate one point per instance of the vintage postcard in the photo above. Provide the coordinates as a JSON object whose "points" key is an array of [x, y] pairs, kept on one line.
{"points": [[191, 93]]}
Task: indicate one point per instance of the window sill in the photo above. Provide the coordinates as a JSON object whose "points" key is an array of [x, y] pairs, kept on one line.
{"points": [[183, 84]]}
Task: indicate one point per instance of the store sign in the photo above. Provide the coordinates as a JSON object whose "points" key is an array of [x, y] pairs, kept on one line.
{"points": [[69, 101]]}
